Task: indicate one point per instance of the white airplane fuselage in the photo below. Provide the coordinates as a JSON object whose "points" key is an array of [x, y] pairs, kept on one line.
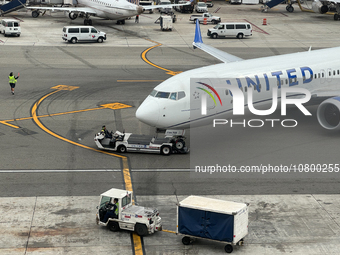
{"points": [[312, 70], [115, 10]]}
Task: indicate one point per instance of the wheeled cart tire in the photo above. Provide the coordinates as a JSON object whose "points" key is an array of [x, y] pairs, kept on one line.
{"points": [[228, 248], [141, 229], [113, 226], [186, 240]]}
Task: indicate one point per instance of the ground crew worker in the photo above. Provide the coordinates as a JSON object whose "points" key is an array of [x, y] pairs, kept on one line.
{"points": [[105, 132], [137, 19], [12, 81], [113, 211]]}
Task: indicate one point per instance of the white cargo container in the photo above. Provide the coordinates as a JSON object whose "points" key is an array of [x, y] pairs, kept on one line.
{"points": [[214, 219], [250, 1]]}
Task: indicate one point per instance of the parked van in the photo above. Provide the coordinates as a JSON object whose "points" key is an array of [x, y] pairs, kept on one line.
{"points": [[238, 29], [74, 34], [10, 27]]}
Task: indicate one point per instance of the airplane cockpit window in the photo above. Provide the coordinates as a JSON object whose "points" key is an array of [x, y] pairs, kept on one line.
{"points": [[181, 95], [173, 96], [162, 94], [153, 93]]}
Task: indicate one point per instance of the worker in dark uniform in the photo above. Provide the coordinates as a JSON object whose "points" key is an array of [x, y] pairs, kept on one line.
{"points": [[12, 81], [113, 211], [105, 132]]}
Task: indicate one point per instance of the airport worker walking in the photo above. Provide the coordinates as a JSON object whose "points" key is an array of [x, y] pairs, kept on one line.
{"points": [[137, 19], [12, 81]]}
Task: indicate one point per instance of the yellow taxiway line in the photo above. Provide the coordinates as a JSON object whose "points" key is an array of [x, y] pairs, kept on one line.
{"points": [[137, 242]]}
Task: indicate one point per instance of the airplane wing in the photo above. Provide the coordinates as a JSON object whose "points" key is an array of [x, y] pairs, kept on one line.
{"points": [[69, 9], [219, 54], [150, 7]]}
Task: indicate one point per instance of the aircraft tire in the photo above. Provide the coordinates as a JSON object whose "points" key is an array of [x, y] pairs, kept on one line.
{"points": [[336, 16], [290, 9], [35, 14]]}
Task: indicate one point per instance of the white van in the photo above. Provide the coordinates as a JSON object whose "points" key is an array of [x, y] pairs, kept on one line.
{"points": [[74, 34], [238, 29], [10, 27]]}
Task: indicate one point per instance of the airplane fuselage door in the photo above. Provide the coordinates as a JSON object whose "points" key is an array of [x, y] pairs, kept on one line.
{"points": [[329, 75], [322, 76]]}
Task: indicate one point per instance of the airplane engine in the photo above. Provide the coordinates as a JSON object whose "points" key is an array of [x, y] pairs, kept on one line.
{"points": [[318, 7], [73, 15], [328, 113]]}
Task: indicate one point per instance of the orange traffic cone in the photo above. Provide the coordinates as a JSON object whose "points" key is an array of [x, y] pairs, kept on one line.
{"points": [[264, 22]]}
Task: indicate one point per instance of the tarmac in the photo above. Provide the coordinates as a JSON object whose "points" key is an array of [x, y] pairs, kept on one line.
{"points": [[278, 224]]}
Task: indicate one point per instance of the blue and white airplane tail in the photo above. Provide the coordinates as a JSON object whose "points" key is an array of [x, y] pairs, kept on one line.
{"points": [[221, 55]]}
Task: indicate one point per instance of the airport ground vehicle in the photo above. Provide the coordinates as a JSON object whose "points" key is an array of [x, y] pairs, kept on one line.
{"points": [[165, 9], [10, 27], [147, 3], [173, 142], [238, 29], [214, 219], [200, 18], [131, 217], [166, 22], [209, 3], [201, 7], [75, 34], [184, 8]]}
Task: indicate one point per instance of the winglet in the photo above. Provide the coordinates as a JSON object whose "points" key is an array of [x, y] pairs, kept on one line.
{"points": [[198, 36]]}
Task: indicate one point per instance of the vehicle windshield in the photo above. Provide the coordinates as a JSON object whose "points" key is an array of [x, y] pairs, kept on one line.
{"points": [[201, 4]]}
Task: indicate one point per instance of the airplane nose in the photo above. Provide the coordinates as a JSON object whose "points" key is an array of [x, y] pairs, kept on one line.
{"points": [[148, 112]]}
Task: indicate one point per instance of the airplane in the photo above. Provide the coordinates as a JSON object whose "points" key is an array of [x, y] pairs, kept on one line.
{"points": [[323, 7], [108, 9], [173, 103]]}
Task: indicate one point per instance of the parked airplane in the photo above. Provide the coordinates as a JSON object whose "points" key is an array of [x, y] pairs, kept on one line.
{"points": [[108, 9], [322, 6], [173, 105]]}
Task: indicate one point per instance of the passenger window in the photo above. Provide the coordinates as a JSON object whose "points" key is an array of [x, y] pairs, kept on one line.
{"points": [[181, 95], [240, 26], [248, 26], [84, 30], [16, 24], [229, 26], [73, 30], [10, 24], [93, 30], [173, 96], [163, 94]]}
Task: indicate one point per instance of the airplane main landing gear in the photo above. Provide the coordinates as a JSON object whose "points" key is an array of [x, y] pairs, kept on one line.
{"points": [[35, 14], [289, 8], [121, 22], [88, 22], [336, 16]]}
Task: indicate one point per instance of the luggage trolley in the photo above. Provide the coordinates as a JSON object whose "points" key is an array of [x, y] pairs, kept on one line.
{"points": [[213, 219]]}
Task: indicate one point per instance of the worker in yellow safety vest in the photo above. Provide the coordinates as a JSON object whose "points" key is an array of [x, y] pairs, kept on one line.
{"points": [[12, 81]]}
